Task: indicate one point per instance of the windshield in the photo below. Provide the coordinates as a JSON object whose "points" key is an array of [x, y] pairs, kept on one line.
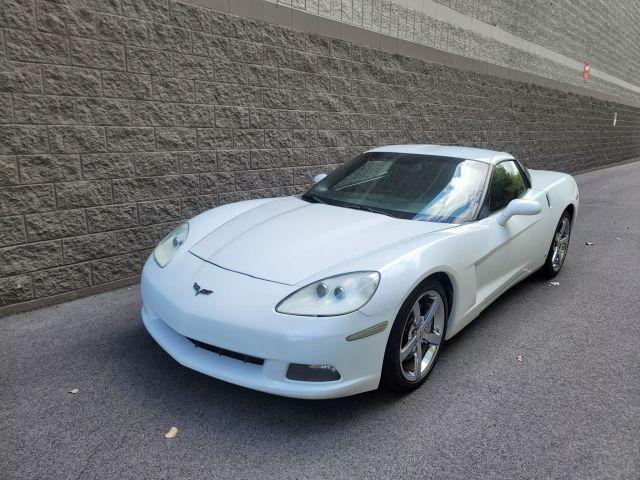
{"points": [[418, 187]]}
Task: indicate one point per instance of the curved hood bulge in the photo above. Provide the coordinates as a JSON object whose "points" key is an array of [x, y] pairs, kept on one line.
{"points": [[289, 239]]}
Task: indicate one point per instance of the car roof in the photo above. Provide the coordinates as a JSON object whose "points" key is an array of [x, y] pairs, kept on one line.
{"points": [[479, 154]]}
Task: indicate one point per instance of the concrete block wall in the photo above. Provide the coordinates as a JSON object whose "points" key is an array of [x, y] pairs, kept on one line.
{"points": [[605, 33], [121, 118]]}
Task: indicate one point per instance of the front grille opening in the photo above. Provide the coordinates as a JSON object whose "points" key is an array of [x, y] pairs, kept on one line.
{"points": [[228, 353]]}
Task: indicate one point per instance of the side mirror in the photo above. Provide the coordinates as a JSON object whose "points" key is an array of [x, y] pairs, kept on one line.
{"points": [[518, 207], [319, 177]]}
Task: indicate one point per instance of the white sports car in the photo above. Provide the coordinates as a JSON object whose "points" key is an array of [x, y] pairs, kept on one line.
{"points": [[360, 281]]}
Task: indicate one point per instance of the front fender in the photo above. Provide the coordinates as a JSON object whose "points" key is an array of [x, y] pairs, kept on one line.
{"points": [[206, 222], [405, 265]]}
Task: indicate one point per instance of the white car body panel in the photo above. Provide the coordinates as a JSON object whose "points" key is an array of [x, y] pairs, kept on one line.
{"points": [[253, 254], [289, 240], [479, 154], [228, 319]]}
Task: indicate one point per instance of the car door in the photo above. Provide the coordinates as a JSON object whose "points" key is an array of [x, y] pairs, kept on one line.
{"points": [[511, 251]]}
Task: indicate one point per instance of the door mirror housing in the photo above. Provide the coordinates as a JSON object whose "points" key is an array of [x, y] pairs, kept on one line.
{"points": [[319, 177], [518, 207]]}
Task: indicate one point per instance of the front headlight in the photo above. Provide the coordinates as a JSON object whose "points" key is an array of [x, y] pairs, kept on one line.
{"points": [[331, 296], [168, 246]]}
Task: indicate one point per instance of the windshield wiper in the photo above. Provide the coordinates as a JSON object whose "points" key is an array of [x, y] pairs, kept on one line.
{"points": [[312, 198], [315, 199], [368, 209]]}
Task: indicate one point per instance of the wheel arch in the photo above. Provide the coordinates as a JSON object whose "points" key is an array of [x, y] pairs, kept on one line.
{"points": [[438, 258], [388, 377], [451, 286], [571, 209], [446, 282]]}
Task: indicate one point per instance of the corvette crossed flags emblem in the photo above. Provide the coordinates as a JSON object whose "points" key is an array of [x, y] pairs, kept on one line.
{"points": [[201, 291]]}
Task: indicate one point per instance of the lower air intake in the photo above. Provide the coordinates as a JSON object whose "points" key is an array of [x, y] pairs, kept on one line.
{"points": [[228, 353]]}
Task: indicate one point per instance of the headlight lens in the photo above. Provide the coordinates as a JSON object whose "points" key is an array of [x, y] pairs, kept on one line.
{"points": [[169, 245], [337, 295]]}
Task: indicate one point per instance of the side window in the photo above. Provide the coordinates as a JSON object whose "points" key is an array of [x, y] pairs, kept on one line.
{"points": [[506, 184]]}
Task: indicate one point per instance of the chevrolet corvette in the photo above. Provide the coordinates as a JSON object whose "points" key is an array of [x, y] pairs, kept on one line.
{"points": [[359, 282]]}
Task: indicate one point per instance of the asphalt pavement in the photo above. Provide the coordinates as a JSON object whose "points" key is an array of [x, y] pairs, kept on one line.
{"points": [[569, 409]]}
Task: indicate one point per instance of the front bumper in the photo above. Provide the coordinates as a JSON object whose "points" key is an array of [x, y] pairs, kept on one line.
{"points": [[239, 316]]}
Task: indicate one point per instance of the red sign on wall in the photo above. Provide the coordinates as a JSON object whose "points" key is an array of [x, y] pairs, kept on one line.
{"points": [[586, 71]]}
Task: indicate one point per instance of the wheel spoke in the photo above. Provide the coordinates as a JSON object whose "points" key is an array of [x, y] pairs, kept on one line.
{"points": [[417, 316], [563, 226], [433, 308], [408, 349], [432, 337], [417, 356], [423, 335]]}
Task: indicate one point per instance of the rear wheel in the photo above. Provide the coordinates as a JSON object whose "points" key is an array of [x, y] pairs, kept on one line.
{"points": [[417, 338], [559, 247]]}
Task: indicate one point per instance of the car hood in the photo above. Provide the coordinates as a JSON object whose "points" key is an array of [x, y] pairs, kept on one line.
{"points": [[288, 239]]}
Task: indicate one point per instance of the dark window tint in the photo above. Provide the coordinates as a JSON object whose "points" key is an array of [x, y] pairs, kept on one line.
{"points": [[506, 184]]}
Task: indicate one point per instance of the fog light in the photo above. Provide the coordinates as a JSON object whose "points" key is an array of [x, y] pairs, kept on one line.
{"points": [[312, 373]]}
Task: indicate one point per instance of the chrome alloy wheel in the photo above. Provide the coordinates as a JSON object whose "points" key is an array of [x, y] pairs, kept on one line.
{"points": [[560, 244], [422, 336]]}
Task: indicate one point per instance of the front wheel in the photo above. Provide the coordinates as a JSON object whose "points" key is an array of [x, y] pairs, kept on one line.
{"points": [[559, 247], [416, 338]]}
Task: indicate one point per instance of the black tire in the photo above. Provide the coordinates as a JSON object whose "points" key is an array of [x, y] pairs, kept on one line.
{"points": [[550, 268], [392, 368]]}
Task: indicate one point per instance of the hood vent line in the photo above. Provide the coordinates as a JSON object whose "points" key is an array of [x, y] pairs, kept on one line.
{"points": [[243, 233], [239, 273]]}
